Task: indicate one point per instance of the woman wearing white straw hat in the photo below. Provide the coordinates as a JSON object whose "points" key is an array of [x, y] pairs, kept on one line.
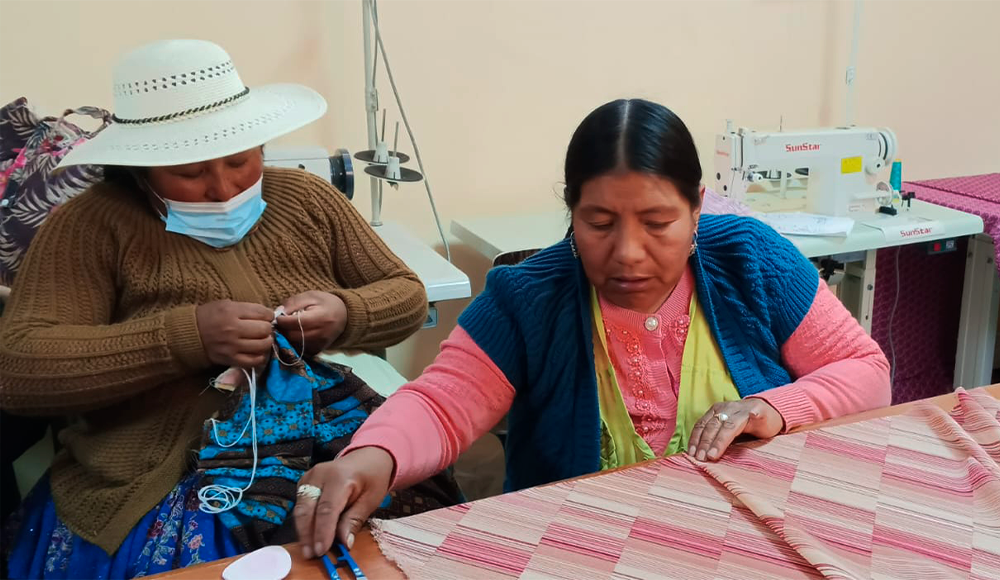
{"points": [[136, 293]]}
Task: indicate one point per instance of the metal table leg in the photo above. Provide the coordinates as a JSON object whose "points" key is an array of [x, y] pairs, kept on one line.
{"points": [[857, 289], [977, 329]]}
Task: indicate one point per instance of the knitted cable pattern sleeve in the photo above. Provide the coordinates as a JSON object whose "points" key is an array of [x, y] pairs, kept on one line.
{"points": [[59, 351], [756, 288], [386, 301], [488, 321], [790, 281]]}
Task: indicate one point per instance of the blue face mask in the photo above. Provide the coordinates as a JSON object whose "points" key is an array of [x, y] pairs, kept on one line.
{"points": [[218, 224]]}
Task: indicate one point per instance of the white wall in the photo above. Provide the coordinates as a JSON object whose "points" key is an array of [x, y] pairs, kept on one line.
{"points": [[494, 89]]}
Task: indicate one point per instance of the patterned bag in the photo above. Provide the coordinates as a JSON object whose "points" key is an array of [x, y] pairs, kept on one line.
{"points": [[30, 148]]}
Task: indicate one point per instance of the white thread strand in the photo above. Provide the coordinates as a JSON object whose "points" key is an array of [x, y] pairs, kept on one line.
{"points": [[227, 497], [413, 139], [375, 59]]}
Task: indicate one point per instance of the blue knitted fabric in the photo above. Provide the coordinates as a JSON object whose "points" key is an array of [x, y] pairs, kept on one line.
{"points": [[533, 321], [302, 409]]}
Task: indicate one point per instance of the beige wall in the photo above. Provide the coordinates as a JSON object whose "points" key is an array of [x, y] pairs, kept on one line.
{"points": [[494, 89]]}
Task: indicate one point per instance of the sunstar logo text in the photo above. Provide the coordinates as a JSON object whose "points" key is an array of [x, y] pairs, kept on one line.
{"points": [[915, 232], [802, 147]]}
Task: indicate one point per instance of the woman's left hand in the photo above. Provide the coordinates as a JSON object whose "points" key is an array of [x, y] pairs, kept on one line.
{"points": [[323, 317], [716, 430]]}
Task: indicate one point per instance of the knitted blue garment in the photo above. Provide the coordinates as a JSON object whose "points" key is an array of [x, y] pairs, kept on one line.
{"points": [[534, 322], [304, 410]]}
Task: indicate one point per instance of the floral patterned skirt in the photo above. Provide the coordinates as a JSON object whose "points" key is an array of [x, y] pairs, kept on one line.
{"points": [[174, 534]]}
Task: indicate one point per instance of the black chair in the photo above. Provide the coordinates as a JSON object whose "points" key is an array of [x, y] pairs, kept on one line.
{"points": [[17, 435]]}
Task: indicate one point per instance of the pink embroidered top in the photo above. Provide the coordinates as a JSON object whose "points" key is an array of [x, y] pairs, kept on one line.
{"points": [[837, 370], [646, 351]]}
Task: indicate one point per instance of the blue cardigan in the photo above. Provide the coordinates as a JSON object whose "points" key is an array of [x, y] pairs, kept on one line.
{"points": [[534, 322]]}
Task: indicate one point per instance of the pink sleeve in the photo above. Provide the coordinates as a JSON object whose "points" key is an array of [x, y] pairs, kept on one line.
{"points": [[838, 369], [430, 421]]}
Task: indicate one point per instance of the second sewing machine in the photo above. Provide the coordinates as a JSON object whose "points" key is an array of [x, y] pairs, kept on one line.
{"points": [[833, 171]]}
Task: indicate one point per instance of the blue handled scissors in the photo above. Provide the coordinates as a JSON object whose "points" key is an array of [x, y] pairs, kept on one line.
{"points": [[345, 557]]}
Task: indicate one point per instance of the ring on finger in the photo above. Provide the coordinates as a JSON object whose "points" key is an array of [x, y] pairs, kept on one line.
{"points": [[722, 417], [309, 491]]}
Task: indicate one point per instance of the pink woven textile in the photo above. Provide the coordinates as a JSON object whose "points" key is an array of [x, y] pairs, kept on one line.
{"points": [[913, 496]]}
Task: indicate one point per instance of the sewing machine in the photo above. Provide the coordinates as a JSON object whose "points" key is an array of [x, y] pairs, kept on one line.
{"points": [[838, 167]]}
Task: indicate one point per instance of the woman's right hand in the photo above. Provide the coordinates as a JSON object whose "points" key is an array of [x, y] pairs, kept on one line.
{"points": [[236, 333], [353, 486]]}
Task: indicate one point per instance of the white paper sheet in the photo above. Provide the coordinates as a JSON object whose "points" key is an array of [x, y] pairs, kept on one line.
{"points": [[807, 224]]}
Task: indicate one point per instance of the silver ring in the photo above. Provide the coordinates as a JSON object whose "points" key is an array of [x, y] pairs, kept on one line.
{"points": [[722, 417], [309, 491]]}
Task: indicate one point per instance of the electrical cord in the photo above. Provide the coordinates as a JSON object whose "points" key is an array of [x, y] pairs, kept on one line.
{"points": [[892, 315]]}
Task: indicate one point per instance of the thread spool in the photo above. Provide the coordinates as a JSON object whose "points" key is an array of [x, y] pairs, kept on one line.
{"points": [[896, 175], [392, 169]]}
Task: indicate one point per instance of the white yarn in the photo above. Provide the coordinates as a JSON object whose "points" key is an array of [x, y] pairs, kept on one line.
{"points": [[217, 498], [227, 497]]}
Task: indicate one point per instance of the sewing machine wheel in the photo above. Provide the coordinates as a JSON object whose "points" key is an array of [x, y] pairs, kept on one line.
{"points": [[342, 172]]}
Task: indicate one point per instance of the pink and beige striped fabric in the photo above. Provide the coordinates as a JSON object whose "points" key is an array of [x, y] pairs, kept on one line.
{"points": [[913, 496]]}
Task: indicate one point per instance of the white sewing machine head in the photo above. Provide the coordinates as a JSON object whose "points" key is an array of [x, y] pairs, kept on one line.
{"points": [[840, 166], [336, 168]]}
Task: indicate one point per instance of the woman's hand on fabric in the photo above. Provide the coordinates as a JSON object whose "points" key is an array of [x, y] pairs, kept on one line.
{"points": [[724, 422], [235, 333], [315, 319], [353, 486]]}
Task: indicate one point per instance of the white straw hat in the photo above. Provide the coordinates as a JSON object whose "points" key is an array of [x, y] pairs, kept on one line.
{"points": [[182, 101]]}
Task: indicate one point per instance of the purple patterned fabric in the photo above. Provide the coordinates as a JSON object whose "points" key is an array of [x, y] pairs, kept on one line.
{"points": [[30, 148], [975, 194]]}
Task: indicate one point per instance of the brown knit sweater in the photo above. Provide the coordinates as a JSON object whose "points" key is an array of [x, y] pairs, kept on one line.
{"points": [[101, 327]]}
